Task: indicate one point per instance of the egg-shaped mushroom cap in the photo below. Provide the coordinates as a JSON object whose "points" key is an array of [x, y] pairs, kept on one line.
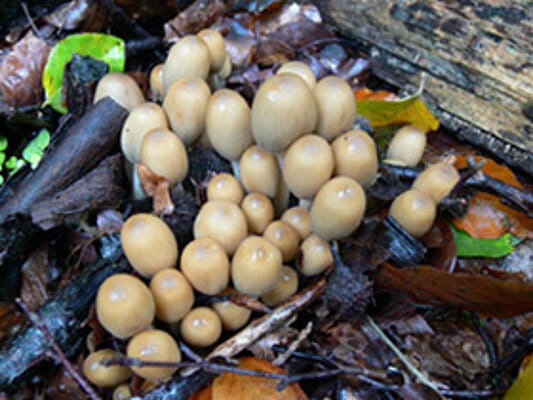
{"points": [[300, 219], [284, 237], [407, 146], [315, 257], [101, 375], [260, 171], [173, 295], [120, 87], [258, 210], [415, 211], [286, 286], [233, 316], [201, 327], [225, 186], [156, 81], [438, 180], [217, 48], [302, 70]]}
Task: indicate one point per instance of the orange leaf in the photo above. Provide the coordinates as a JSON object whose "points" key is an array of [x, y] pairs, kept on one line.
{"points": [[202, 394], [368, 94]]}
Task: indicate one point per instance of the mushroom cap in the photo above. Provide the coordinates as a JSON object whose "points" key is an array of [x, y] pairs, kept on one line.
{"points": [[338, 208], [165, 155], [315, 257], [154, 345], [149, 244], [300, 219], [356, 156], [226, 69], [407, 146], [222, 221], [336, 107], [201, 327], [307, 165], [225, 186], [187, 58], [227, 123], [286, 286], [256, 266], [206, 265], [415, 211], [156, 81], [173, 295], [120, 87], [141, 120], [302, 70], [233, 316], [103, 376], [259, 171], [258, 210], [283, 109], [122, 392], [284, 237], [438, 180], [217, 48], [186, 104], [124, 305]]}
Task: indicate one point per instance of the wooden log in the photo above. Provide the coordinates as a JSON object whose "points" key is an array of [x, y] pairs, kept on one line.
{"points": [[478, 57]]}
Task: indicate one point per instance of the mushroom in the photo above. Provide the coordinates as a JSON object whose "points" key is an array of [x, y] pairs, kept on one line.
{"points": [[438, 180], [335, 107], [124, 305], [149, 244], [217, 48], [284, 237], [122, 392], [415, 211], [338, 208], [258, 210], [103, 376], [300, 219], [120, 87], [232, 316], [218, 79], [259, 171], [186, 104], [173, 295], [407, 146], [302, 70], [316, 256], [224, 186], [154, 345], [356, 157], [206, 265], [201, 327], [256, 266], [222, 221], [156, 81], [286, 286]]}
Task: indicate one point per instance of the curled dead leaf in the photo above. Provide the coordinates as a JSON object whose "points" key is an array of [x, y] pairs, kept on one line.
{"points": [[158, 188]]}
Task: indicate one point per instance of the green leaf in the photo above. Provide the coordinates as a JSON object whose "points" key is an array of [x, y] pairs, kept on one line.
{"points": [[14, 164], [107, 48], [468, 246], [2, 159], [34, 151], [3, 143]]}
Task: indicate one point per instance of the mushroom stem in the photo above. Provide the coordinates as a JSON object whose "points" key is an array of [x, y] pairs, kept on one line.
{"points": [[305, 203], [236, 170], [334, 247]]}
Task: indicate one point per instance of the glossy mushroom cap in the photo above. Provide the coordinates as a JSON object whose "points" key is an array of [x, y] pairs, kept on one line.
{"points": [[226, 69], [201, 327], [356, 157], [173, 295], [300, 219], [259, 171], [187, 58], [307, 165], [206, 265], [217, 48], [120, 87], [338, 208], [103, 376], [233, 317], [286, 286], [141, 120], [156, 81], [284, 237], [227, 123], [154, 345], [256, 266], [336, 107], [258, 210], [283, 109], [407, 146], [315, 257], [186, 105], [225, 186], [437, 180], [302, 70], [124, 305], [122, 392], [149, 244], [223, 221], [415, 211]]}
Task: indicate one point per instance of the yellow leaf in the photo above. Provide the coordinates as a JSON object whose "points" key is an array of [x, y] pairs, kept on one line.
{"points": [[522, 388]]}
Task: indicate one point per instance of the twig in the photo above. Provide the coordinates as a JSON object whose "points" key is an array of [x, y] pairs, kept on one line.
{"points": [[30, 19], [38, 322], [283, 357], [190, 352], [471, 394]]}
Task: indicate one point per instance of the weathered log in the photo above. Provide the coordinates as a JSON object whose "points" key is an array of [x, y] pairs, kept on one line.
{"points": [[478, 57]]}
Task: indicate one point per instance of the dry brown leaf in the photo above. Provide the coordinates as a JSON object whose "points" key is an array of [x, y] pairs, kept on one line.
{"points": [[34, 280], [158, 188]]}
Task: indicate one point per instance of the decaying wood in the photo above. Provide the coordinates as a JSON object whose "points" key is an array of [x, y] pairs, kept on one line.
{"points": [[478, 57]]}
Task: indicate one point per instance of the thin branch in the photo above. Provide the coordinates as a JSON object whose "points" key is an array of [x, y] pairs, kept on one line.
{"points": [[283, 357], [30, 19]]}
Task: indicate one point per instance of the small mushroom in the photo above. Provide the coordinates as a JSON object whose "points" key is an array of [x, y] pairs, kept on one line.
{"points": [[217, 48], [316, 256], [224, 186], [201, 327], [173, 295], [259, 171], [302, 70], [407, 146], [122, 392], [415, 211], [120, 87], [233, 317], [258, 210], [438, 180], [156, 81], [103, 376], [300, 219], [284, 237], [286, 286]]}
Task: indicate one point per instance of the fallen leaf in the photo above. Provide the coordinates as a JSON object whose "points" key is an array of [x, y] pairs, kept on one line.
{"points": [[369, 94], [34, 280], [158, 188], [522, 388], [197, 16], [202, 394], [468, 246]]}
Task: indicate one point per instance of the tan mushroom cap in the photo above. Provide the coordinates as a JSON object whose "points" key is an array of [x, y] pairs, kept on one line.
{"points": [[186, 104], [206, 265], [154, 345], [141, 120], [336, 107], [315, 257], [201, 327], [338, 208], [226, 69], [149, 244], [227, 123], [217, 48], [256, 266], [260, 171], [302, 70], [120, 87], [103, 376], [356, 156], [222, 221], [407, 146], [258, 210], [287, 285], [233, 316], [283, 109], [124, 305], [438, 180], [415, 211], [300, 219], [165, 155], [173, 295], [122, 392], [284, 237], [225, 186], [156, 81], [307, 165], [187, 58]]}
